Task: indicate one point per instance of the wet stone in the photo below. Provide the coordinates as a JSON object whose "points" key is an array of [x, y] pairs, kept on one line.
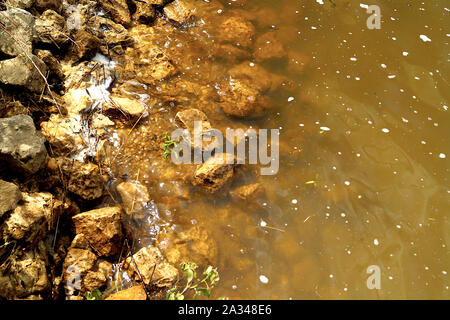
{"points": [[51, 28], [134, 197], [215, 173], [267, 47], [180, 11], [238, 31], [164, 275], [134, 293]]}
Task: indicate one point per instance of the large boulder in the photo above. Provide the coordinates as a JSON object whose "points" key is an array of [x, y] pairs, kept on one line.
{"points": [[102, 229], [17, 32], [9, 196], [21, 147], [25, 70]]}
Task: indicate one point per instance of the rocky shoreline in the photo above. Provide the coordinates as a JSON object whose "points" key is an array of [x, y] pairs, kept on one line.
{"points": [[71, 75]]}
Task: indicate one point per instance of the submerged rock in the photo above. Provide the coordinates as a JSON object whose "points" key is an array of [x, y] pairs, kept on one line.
{"points": [[25, 70], [18, 33], [248, 192], [186, 119], [33, 217], [9, 196], [21, 146], [215, 173], [118, 10], [25, 274], [133, 293], [102, 229], [180, 11], [239, 98], [196, 245], [134, 197], [267, 46], [238, 31], [152, 267]]}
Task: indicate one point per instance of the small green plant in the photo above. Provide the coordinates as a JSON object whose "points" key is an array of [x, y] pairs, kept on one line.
{"points": [[93, 295], [202, 287], [168, 145]]}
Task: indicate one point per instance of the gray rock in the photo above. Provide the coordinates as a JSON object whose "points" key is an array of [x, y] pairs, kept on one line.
{"points": [[24, 70], [21, 147], [22, 4], [10, 195], [17, 31]]}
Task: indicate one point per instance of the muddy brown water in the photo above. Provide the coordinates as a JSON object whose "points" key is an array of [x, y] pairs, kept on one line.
{"points": [[364, 169]]}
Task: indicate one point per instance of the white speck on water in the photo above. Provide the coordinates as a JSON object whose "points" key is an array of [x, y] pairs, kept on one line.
{"points": [[347, 183], [264, 279], [263, 223], [385, 130], [391, 76], [405, 53], [442, 155], [353, 59], [383, 66], [325, 129], [424, 38], [294, 201], [376, 242], [291, 99]]}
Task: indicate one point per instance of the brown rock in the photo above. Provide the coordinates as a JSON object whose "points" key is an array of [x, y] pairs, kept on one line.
{"points": [[118, 9], [134, 197], [63, 133], [52, 63], [76, 265], [42, 5], [146, 259], [267, 47], [25, 275], [20, 32], [186, 119], [180, 11], [110, 32], [248, 192], [230, 52], [35, 215], [98, 277], [238, 31], [145, 12], [215, 173], [133, 293], [124, 105], [239, 98], [194, 245], [10, 195], [102, 228], [85, 46], [82, 179], [51, 28]]}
